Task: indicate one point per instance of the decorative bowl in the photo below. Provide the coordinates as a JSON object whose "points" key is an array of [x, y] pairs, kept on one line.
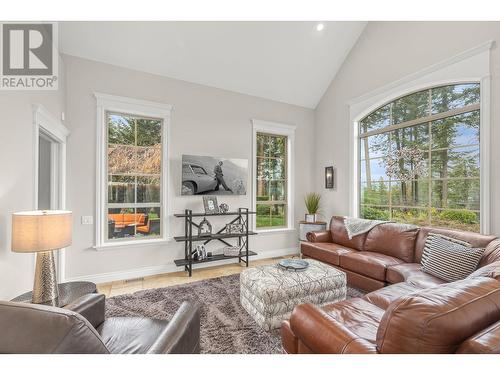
{"points": [[293, 264]]}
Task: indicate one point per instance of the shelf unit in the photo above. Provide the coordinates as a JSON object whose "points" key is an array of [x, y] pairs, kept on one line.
{"points": [[188, 238]]}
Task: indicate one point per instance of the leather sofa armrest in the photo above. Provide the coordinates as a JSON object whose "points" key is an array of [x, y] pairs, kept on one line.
{"points": [[289, 341], [320, 236], [91, 307], [322, 334], [182, 334]]}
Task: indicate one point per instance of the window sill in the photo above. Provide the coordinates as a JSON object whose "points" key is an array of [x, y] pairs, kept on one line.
{"points": [[275, 231], [133, 244]]}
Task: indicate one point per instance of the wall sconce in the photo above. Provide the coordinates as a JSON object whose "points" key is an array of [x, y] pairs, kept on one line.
{"points": [[329, 178]]}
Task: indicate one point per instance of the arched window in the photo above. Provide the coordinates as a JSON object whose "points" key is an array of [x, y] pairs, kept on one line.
{"points": [[419, 159]]}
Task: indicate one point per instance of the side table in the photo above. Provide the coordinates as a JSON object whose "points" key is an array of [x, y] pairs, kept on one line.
{"points": [[68, 292], [305, 227]]}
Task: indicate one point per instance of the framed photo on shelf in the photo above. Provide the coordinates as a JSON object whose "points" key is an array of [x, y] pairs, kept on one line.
{"points": [[210, 204]]}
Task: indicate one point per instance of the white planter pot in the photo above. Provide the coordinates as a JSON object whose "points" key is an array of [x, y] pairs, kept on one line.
{"points": [[310, 218]]}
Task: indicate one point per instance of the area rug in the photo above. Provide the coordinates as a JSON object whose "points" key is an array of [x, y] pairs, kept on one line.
{"points": [[226, 328]]}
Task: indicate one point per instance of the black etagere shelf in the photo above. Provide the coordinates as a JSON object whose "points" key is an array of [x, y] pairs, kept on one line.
{"points": [[241, 217]]}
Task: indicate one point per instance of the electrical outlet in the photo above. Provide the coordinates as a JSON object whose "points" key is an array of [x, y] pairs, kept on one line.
{"points": [[87, 220]]}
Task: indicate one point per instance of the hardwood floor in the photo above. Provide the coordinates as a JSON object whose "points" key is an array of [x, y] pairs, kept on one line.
{"points": [[159, 281]]}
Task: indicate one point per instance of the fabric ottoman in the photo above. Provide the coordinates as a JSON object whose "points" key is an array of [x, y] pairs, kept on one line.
{"points": [[269, 293]]}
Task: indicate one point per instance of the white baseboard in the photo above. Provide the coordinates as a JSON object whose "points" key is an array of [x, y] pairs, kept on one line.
{"points": [[137, 273]]}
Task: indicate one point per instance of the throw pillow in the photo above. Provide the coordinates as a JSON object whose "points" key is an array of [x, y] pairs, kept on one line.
{"points": [[428, 240], [449, 259]]}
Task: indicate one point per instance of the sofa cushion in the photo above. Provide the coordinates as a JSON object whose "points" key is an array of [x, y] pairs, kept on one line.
{"points": [[490, 270], [475, 239], [368, 263], [357, 315], [382, 298], [395, 240], [439, 319], [412, 273], [131, 335], [324, 251], [485, 342], [339, 234]]}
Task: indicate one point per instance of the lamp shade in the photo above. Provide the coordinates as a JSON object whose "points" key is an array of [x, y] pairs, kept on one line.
{"points": [[34, 231]]}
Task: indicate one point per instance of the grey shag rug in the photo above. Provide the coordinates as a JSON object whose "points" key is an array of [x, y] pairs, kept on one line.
{"points": [[226, 328]]}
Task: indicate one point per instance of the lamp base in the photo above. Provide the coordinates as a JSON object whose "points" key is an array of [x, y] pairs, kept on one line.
{"points": [[45, 285]]}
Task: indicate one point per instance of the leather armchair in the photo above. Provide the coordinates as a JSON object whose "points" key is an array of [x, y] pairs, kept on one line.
{"points": [[81, 328]]}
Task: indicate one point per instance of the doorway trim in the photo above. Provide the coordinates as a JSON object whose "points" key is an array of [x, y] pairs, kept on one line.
{"points": [[45, 123]]}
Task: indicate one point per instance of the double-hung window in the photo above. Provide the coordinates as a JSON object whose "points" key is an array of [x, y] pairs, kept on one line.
{"points": [[273, 152], [131, 171]]}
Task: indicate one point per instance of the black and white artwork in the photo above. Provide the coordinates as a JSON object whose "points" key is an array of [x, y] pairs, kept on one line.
{"points": [[208, 175]]}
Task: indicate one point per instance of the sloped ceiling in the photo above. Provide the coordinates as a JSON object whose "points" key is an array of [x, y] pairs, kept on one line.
{"points": [[290, 62]]}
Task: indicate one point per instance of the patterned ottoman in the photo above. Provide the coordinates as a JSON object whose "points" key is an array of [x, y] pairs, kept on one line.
{"points": [[269, 293]]}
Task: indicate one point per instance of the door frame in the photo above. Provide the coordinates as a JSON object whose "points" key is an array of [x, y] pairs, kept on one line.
{"points": [[44, 123]]}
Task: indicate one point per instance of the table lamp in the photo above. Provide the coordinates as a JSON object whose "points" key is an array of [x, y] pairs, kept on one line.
{"points": [[42, 232]]}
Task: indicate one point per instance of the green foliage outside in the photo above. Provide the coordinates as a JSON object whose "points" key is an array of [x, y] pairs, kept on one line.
{"points": [[373, 213], [462, 216], [269, 216]]}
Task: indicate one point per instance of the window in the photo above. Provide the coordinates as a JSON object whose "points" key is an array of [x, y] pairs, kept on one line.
{"points": [[134, 176], [131, 171], [419, 159], [272, 158], [198, 170]]}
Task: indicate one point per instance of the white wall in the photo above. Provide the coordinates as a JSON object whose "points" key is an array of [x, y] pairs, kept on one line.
{"points": [[205, 121], [386, 52], [16, 176]]}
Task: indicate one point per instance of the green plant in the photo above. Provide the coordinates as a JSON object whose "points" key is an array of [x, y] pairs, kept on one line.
{"points": [[312, 201], [374, 213], [462, 216]]}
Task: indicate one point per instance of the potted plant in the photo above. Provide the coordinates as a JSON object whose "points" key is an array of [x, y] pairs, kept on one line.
{"points": [[312, 201]]}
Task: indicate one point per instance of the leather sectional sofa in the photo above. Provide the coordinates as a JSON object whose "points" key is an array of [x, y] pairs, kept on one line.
{"points": [[407, 310]]}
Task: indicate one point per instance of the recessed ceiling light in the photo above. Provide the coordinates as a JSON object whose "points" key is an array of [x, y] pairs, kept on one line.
{"points": [[320, 26]]}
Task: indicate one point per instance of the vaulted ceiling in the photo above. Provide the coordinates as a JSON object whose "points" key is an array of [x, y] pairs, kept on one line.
{"points": [[290, 62]]}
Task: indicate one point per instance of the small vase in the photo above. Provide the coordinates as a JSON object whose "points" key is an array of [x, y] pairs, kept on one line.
{"points": [[310, 218]]}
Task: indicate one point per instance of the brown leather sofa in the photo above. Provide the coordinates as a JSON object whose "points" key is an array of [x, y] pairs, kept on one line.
{"points": [[407, 310], [81, 328]]}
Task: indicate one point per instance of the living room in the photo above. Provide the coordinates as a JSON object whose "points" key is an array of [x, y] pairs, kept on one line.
{"points": [[253, 185]]}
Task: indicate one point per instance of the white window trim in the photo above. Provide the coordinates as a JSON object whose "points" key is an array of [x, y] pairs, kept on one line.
{"points": [[111, 103], [278, 129], [45, 122], [472, 65]]}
